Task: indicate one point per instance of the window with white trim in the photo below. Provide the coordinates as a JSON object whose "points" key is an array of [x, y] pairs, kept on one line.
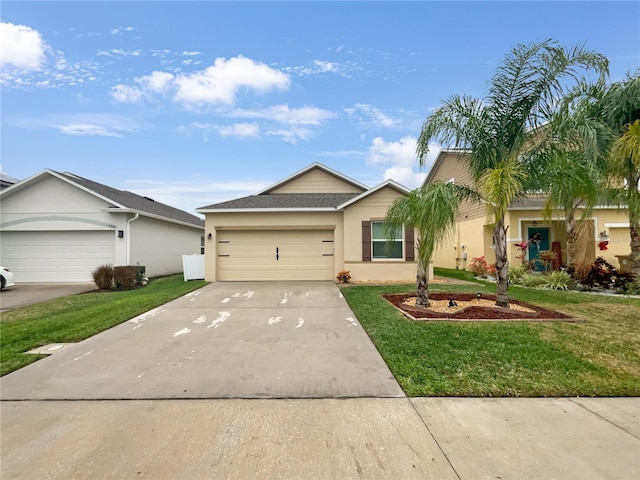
{"points": [[382, 246]]}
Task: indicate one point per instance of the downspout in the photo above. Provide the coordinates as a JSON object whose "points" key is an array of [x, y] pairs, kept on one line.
{"points": [[135, 217]]}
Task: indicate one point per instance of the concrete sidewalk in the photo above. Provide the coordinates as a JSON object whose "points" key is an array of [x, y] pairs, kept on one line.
{"points": [[389, 438]]}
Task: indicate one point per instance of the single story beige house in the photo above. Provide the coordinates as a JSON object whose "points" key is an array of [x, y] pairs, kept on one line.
{"points": [[473, 234], [308, 226], [58, 227]]}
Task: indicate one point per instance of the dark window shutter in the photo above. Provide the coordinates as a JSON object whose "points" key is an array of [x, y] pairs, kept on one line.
{"points": [[366, 241], [409, 251]]}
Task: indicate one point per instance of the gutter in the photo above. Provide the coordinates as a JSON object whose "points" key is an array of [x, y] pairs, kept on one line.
{"points": [[135, 217]]}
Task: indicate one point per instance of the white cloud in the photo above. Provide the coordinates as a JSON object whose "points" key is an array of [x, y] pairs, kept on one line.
{"points": [[86, 129], [370, 116], [284, 114], [242, 130], [318, 67], [126, 94], [188, 196], [156, 82], [120, 30], [220, 83], [21, 47], [118, 52], [191, 54], [400, 160]]}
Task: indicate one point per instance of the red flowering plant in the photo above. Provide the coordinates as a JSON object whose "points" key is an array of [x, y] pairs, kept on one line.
{"points": [[481, 268], [603, 245], [522, 250]]}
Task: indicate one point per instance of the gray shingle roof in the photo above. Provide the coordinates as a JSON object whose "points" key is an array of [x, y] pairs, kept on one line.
{"points": [[285, 200], [135, 202]]}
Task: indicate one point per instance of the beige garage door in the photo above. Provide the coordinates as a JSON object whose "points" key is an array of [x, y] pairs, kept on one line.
{"points": [[275, 255]]}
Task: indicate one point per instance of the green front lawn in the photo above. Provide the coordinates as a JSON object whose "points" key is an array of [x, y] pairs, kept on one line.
{"points": [[598, 358], [74, 318]]}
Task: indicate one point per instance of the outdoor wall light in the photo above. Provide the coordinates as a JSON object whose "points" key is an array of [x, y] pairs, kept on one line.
{"points": [[120, 233], [209, 236]]}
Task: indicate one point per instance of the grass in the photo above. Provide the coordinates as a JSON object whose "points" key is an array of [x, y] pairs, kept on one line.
{"points": [[74, 318], [514, 359]]}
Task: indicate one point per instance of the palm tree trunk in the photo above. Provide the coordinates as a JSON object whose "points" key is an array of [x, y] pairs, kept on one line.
{"points": [[502, 264], [422, 281], [634, 235], [570, 226]]}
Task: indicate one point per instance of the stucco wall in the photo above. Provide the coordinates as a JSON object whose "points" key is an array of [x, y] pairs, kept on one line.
{"points": [[160, 245], [372, 207], [317, 181]]}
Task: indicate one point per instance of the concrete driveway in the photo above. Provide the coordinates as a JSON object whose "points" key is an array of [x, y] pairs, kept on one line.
{"points": [[226, 340], [24, 294]]}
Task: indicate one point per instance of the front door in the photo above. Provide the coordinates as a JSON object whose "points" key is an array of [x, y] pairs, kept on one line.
{"points": [[538, 240]]}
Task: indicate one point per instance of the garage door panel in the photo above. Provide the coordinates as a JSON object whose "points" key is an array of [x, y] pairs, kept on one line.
{"points": [[67, 256], [275, 255]]}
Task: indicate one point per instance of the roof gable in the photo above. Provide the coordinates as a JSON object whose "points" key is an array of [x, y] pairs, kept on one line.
{"points": [[315, 178], [448, 166], [387, 184], [117, 199]]}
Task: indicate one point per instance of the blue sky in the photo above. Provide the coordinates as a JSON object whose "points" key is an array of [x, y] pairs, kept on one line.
{"points": [[193, 103]]}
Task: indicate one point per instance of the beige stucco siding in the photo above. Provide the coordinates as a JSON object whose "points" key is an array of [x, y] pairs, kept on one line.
{"points": [[270, 221], [317, 181], [453, 168], [373, 207], [159, 245]]}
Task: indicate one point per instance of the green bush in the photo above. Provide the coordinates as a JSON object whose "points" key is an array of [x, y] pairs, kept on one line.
{"points": [[558, 280], [103, 277], [516, 273], [532, 280]]}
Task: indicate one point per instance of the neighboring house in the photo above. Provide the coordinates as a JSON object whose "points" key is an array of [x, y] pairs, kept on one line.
{"points": [[309, 226], [57, 227], [6, 181], [473, 234]]}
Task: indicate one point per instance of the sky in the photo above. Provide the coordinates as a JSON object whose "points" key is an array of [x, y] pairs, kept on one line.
{"points": [[194, 103]]}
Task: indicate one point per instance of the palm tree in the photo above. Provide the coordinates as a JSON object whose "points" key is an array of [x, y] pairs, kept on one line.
{"points": [[570, 163], [500, 129], [625, 161], [621, 109], [423, 210]]}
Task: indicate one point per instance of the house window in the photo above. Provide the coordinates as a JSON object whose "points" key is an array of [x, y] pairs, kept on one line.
{"points": [[202, 245], [384, 247]]}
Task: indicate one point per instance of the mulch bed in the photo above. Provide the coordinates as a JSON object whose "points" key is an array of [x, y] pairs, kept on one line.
{"points": [[475, 313]]}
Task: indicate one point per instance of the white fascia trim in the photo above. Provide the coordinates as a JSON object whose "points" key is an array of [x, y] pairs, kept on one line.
{"points": [[311, 167], [617, 225], [151, 215], [439, 158], [24, 183], [388, 183], [261, 210]]}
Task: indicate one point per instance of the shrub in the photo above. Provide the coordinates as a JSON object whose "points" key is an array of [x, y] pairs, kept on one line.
{"points": [[558, 280], [601, 274], [103, 277], [481, 268], [516, 273], [125, 277], [532, 280], [343, 276]]}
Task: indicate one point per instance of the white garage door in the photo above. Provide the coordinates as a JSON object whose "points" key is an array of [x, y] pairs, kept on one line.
{"points": [[275, 255], [56, 256]]}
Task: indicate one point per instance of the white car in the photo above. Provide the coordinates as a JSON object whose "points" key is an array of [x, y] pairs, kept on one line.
{"points": [[6, 278]]}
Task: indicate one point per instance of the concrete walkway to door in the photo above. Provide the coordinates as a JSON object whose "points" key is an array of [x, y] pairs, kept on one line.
{"points": [[226, 340]]}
